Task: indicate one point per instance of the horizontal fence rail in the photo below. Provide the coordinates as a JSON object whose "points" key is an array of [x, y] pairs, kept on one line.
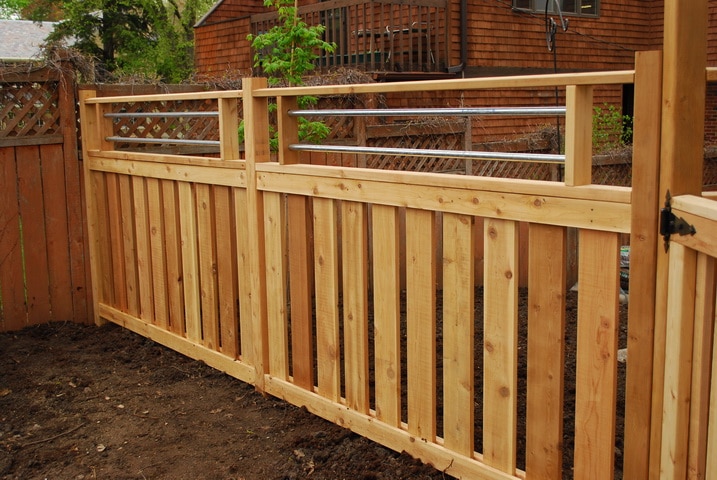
{"points": [[388, 301], [416, 152]]}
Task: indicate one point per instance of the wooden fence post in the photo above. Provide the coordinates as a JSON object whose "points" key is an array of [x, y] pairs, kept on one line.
{"points": [[681, 164], [643, 260], [256, 128], [88, 126], [578, 134]]}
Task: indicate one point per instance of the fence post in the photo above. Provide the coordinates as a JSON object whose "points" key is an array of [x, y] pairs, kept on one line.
{"points": [[228, 128], [578, 134], [256, 129], [643, 261], [89, 125], [682, 156]]}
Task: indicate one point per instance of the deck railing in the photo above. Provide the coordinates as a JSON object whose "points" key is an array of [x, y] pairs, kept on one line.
{"points": [[288, 276], [380, 36]]}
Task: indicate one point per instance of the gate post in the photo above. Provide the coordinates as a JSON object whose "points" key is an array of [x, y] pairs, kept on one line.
{"points": [[682, 141]]}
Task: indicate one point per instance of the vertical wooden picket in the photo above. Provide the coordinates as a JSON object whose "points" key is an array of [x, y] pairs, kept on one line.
{"points": [[421, 323], [326, 265], [144, 263], [190, 262], [276, 283], [546, 351], [354, 252], [702, 352], [500, 346], [387, 313], [596, 363], [207, 266], [300, 290], [128, 244], [114, 244], [158, 261], [226, 264], [173, 249], [458, 333]]}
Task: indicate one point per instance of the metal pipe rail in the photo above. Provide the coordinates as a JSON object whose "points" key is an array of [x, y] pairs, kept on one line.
{"points": [[426, 112], [177, 141], [421, 152], [160, 114]]}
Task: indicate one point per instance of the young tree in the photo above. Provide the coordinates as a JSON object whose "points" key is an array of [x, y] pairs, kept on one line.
{"points": [[285, 54], [151, 38], [289, 49]]}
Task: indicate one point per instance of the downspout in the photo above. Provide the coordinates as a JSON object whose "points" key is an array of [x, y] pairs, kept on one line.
{"points": [[464, 40]]}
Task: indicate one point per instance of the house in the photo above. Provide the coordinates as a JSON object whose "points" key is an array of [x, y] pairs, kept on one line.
{"points": [[424, 39], [22, 40]]}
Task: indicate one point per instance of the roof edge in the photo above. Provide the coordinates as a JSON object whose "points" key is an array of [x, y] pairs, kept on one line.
{"points": [[208, 14]]}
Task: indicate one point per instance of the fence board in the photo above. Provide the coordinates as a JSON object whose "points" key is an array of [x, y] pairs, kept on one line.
{"points": [[701, 363], [116, 245], [354, 250], [56, 228], [596, 383], [387, 313], [246, 331], [300, 291], [158, 262], [458, 333], [34, 238], [129, 245], [226, 263], [12, 283], [102, 238], [711, 467], [207, 256], [500, 361], [190, 262], [172, 237], [421, 323], [326, 265], [275, 247], [143, 252], [546, 351]]}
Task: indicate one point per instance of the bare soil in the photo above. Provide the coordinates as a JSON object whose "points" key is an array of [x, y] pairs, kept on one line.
{"points": [[85, 402], [82, 402]]}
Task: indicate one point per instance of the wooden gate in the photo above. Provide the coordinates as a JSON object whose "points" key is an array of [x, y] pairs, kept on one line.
{"points": [[689, 446]]}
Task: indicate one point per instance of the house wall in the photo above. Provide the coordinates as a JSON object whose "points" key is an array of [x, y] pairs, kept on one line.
{"points": [[500, 41], [221, 47]]}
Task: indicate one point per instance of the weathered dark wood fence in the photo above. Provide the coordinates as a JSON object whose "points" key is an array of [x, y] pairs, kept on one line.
{"points": [[43, 265]]}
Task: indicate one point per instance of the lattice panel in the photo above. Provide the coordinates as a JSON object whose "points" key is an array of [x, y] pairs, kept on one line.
{"points": [[29, 109], [523, 170], [342, 128], [619, 174], [170, 128], [710, 173], [418, 164]]}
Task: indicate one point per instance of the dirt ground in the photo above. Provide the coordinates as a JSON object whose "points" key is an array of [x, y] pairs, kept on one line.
{"points": [[82, 402]]}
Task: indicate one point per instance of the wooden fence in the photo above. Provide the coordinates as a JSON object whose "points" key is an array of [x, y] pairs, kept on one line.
{"points": [[43, 271], [287, 275]]}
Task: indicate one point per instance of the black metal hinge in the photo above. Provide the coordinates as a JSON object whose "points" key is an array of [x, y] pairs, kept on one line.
{"points": [[671, 224]]}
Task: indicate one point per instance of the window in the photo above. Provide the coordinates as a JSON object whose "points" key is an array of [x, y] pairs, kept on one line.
{"points": [[568, 7]]}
